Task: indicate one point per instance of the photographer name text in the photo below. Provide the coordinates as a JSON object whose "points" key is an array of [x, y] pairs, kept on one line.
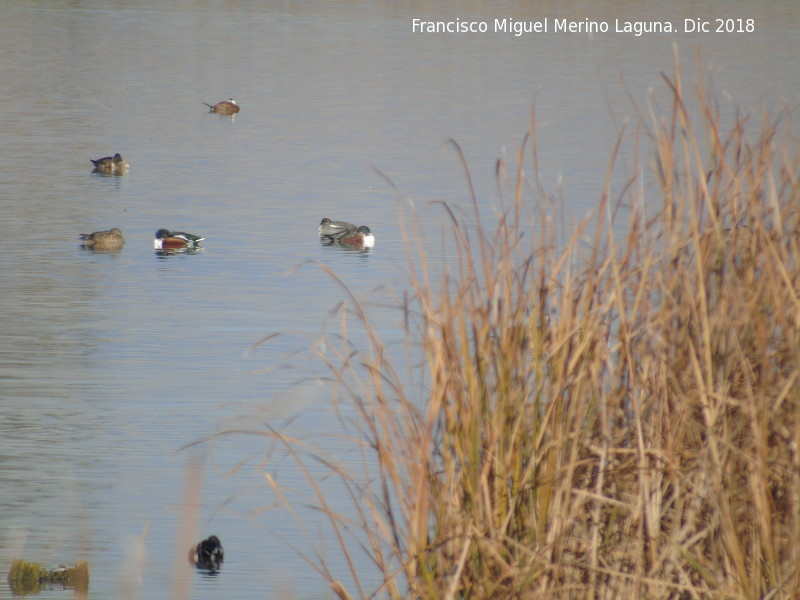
{"points": [[551, 25]]}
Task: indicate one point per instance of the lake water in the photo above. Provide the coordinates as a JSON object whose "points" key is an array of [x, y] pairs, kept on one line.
{"points": [[111, 364]]}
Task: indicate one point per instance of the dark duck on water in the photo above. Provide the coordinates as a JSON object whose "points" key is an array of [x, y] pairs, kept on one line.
{"points": [[208, 555]]}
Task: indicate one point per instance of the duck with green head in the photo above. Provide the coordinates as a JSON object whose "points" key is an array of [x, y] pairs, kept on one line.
{"points": [[176, 240]]}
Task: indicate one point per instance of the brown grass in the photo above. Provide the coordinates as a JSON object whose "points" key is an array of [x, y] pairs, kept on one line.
{"points": [[617, 422]]}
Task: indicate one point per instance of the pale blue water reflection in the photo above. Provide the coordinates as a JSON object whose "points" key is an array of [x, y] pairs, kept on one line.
{"points": [[110, 364]]}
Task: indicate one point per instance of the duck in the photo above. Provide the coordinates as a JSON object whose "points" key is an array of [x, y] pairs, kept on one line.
{"points": [[208, 554], [226, 107], [103, 240], [175, 240], [359, 238], [330, 229], [111, 164]]}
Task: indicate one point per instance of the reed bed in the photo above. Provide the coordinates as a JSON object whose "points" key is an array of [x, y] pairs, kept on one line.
{"points": [[617, 419]]}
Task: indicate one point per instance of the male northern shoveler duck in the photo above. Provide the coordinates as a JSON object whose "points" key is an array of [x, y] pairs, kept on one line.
{"points": [[331, 229], [175, 240], [360, 238], [208, 554], [111, 164], [103, 240], [226, 107]]}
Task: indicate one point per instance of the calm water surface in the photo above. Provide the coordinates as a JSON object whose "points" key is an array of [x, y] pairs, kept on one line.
{"points": [[110, 364]]}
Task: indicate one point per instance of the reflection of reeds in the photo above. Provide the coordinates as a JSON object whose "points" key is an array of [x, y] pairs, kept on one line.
{"points": [[624, 428]]}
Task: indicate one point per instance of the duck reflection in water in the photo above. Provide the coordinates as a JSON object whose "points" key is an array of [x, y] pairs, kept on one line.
{"points": [[208, 555]]}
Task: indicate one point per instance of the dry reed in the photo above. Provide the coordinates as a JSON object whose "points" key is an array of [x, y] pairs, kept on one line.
{"points": [[622, 422]]}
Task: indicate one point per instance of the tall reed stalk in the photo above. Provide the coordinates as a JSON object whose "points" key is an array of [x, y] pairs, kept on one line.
{"points": [[617, 422]]}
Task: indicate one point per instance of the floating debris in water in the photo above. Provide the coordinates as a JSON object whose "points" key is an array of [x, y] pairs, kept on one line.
{"points": [[28, 577]]}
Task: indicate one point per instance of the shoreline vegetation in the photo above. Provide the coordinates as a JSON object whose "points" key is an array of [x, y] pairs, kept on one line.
{"points": [[31, 578], [613, 420]]}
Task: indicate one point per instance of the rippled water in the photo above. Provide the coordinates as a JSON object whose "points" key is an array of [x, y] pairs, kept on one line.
{"points": [[111, 363]]}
